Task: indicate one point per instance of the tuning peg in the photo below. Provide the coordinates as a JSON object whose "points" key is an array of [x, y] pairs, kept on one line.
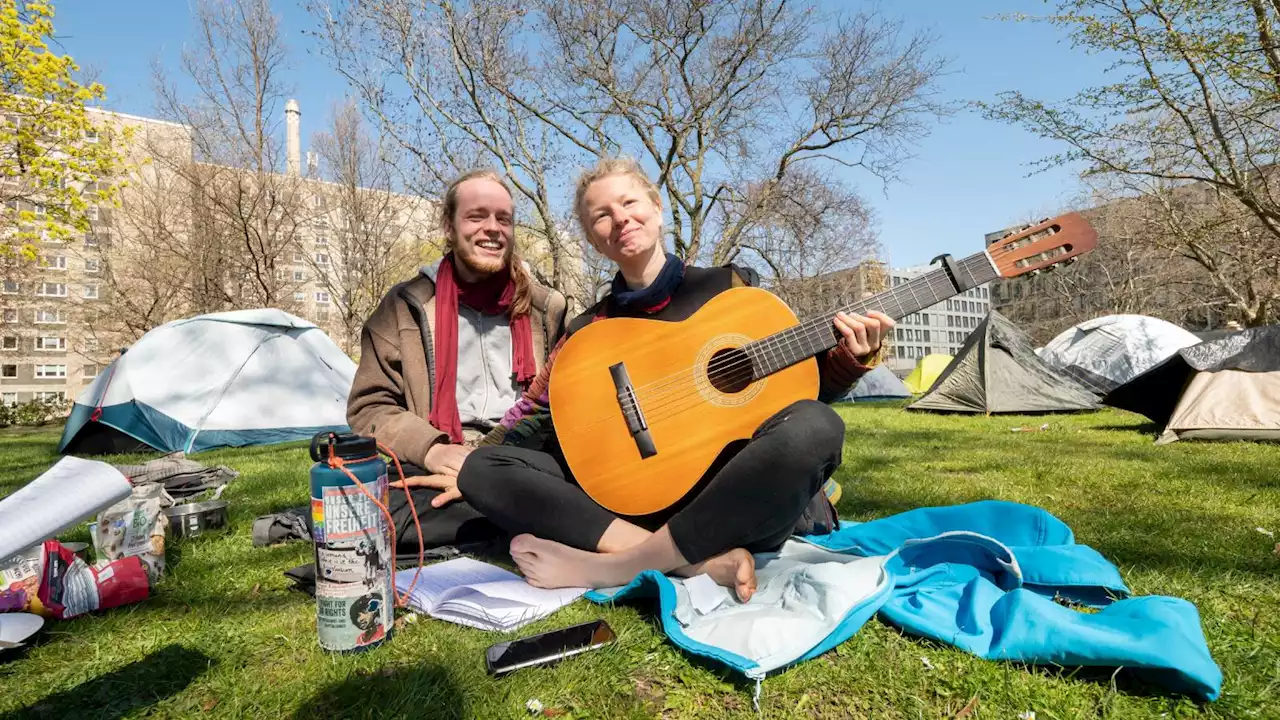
{"points": [[1034, 273]]}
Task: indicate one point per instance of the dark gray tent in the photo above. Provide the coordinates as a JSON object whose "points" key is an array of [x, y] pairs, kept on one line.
{"points": [[997, 371]]}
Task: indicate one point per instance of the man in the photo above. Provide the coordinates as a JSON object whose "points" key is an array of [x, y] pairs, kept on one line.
{"points": [[447, 353]]}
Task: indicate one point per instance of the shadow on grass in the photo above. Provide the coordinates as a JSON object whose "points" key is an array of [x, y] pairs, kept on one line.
{"points": [[420, 692], [162, 674]]}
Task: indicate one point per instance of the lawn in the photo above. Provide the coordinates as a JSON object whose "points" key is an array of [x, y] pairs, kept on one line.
{"points": [[225, 636]]}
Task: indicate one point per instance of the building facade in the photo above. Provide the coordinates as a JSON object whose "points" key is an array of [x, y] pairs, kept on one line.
{"points": [[941, 328], [64, 318]]}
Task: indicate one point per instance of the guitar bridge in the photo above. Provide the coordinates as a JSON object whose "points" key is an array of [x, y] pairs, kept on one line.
{"points": [[631, 411]]}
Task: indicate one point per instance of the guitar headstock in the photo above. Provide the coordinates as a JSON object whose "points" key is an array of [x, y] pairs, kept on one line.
{"points": [[1043, 246]]}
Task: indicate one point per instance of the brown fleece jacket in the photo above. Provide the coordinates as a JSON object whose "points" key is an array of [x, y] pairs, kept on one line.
{"points": [[391, 396]]}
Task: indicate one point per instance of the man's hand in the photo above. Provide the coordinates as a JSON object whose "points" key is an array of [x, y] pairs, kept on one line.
{"points": [[443, 462], [446, 484], [445, 458], [863, 333]]}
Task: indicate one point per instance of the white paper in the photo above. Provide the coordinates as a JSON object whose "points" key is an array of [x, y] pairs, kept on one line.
{"points": [[67, 493], [704, 594], [479, 595]]}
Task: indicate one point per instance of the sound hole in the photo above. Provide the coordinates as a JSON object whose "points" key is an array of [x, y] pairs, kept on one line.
{"points": [[729, 371]]}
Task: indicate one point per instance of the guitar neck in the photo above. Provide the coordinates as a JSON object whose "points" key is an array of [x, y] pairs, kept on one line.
{"points": [[816, 335]]}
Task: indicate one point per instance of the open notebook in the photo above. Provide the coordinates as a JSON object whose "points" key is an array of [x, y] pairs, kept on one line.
{"points": [[479, 595]]}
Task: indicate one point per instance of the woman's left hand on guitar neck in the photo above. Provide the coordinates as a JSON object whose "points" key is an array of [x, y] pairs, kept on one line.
{"points": [[862, 335]]}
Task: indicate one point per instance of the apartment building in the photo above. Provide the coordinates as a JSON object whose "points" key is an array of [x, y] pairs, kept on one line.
{"points": [[940, 328], [59, 321]]}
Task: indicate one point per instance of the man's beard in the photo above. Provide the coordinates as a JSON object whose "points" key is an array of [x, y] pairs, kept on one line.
{"points": [[482, 265]]}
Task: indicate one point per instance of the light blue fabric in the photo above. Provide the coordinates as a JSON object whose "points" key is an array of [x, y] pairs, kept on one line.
{"points": [[807, 601], [982, 577]]}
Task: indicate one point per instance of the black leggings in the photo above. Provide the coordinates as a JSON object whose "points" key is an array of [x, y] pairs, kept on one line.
{"points": [[750, 498]]}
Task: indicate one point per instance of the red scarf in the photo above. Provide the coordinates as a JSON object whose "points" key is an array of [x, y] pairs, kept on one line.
{"points": [[491, 296]]}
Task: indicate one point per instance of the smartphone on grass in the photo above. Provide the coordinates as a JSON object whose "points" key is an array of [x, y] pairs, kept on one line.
{"points": [[548, 647]]}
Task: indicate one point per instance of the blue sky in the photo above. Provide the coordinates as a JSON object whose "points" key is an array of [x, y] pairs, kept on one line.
{"points": [[969, 176]]}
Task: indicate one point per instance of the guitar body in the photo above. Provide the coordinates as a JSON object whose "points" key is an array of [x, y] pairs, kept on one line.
{"points": [[688, 417]]}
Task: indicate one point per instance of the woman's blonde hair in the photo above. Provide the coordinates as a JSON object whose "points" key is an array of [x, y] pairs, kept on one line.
{"points": [[605, 167], [523, 301]]}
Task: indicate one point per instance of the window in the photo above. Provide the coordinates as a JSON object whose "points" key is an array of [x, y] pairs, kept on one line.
{"points": [[92, 212], [299, 257], [9, 398], [49, 316], [11, 287], [299, 276], [50, 343], [51, 371], [9, 371], [91, 136], [11, 315], [91, 240], [90, 371], [40, 211], [49, 289], [300, 296], [924, 318], [928, 350], [898, 334], [322, 259], [56, 262], [926, 336], [91, 292], [91, 266], [47, 395], [91, 343], [919, 335], [322, 298], [322, 241], [984, 293], [951, 321], [322, 316], [10, 342]]}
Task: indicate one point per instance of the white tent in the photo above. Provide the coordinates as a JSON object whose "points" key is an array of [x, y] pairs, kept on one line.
{"points": [[249, 377], [878, 384], [1109, 351]]}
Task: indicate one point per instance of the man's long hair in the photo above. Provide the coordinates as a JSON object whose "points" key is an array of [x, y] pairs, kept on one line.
{"points": [[522, 304]]}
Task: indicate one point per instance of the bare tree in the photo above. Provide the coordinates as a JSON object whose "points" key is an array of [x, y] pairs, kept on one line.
{"points": [[370, 238], [725, 99], [246, 213], [1188, 121], [418, 68]]}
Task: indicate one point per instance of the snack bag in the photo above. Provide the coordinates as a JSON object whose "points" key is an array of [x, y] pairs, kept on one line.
{"points": [[69, 587], [135, 526], [19, 580]]}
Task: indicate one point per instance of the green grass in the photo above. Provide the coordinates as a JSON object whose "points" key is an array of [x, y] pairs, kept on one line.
{"points": [[224, 636]]}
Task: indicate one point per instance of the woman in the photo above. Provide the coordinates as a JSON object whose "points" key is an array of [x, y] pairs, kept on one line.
{"points": [[748, 501]]}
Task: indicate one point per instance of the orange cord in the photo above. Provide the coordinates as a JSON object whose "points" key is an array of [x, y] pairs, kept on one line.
{"points": [[340, 464]]}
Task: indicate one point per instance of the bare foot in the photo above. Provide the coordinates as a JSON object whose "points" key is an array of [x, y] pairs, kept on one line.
{"points": [[549, 564], [734, 569]]}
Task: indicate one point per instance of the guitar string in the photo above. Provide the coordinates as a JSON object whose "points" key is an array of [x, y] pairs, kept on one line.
{"points": [[937, 280], [669, 396], [824, 318], [810, 332], [677, 387], [668, 401]]}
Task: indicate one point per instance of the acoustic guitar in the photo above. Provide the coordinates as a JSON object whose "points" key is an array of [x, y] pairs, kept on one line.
{"points": [[643, 407]]}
